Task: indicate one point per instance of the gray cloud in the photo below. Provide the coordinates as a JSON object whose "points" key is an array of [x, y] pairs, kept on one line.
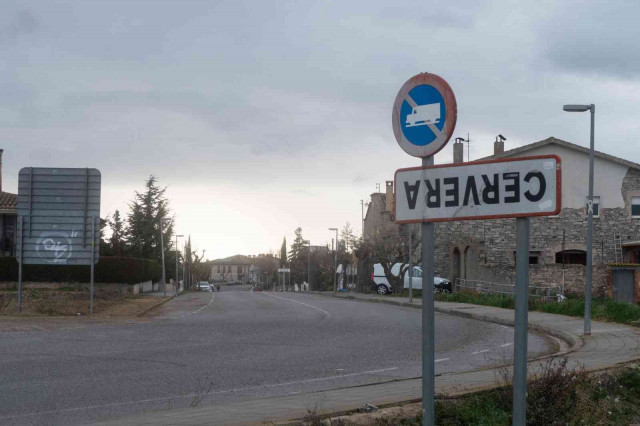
{"points": [[594, 38], [294, 98], [17, 24]]}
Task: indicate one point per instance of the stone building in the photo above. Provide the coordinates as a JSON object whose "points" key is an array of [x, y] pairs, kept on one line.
{"points": [[485, 249], [8, 219], [234, 269], [379, 216]]}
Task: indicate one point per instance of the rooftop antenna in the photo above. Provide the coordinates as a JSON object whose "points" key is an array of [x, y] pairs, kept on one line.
{"points": [[378, 187]]}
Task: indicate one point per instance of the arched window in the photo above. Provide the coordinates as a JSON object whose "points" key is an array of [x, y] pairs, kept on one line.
{"points": [[571, 257], [456, 272]]}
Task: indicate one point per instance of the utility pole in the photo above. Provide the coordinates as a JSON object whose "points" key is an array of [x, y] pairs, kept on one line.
{"points": [[362, 215], [177, 265]]}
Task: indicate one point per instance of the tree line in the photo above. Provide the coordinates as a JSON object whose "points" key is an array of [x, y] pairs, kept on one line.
{"points": [[313, 264], [146, 230]]}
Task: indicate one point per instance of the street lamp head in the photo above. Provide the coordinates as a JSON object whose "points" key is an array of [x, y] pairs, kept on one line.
{"points": [[179, 236], [333, 229], [577, 108]]}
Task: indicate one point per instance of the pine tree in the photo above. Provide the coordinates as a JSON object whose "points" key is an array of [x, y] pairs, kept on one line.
{"points": [[146, 211], [298, 257], [283, 253], [116, 242]]}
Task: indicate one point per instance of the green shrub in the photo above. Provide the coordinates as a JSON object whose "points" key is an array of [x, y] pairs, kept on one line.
{"points": [[126, 270]]}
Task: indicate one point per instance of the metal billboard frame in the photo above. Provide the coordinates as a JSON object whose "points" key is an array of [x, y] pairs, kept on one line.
{"points": [[57, 213]]}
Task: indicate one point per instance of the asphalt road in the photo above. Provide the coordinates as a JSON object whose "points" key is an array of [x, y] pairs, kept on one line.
{"points": [[202, 348]]}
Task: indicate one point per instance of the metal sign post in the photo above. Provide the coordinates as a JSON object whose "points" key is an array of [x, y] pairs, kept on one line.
{"points": [[428, 320], [521, 320], [93, 256], [284, 272], [20, 261], [410, 263], [424, 117]]}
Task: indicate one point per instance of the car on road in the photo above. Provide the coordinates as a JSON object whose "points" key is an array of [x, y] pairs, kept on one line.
{"points": [[204, 286], [380, 284]]}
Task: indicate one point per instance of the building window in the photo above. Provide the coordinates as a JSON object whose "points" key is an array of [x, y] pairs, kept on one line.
{"points": [[635, 207], [571, 257], [218, 268], [596, 206], [239, 269], [534, 257]]}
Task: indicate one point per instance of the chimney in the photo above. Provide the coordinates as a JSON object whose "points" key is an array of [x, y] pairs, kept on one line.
{"points": [[498, 145], [1, 151], [458, 151], [390, 200]]}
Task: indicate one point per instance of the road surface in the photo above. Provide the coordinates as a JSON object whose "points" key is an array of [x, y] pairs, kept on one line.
{"points": [[204, 348]]}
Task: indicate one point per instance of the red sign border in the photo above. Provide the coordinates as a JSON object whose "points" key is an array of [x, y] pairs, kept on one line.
{"points": [[474, 163]]}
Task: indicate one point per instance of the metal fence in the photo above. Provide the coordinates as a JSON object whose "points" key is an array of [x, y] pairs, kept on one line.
{"points": [[485, 287]]}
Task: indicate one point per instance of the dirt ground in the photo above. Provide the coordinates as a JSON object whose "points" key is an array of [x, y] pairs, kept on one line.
{"points": [[45, 302]]}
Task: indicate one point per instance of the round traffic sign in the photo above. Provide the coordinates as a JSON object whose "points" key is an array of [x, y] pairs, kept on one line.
{"points": [[424, 115]]}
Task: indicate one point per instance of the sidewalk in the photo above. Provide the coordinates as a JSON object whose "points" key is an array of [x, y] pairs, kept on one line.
{"points": [[171, 291], [608, 345]]}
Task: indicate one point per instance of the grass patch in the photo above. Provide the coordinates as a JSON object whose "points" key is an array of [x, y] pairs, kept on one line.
{"points": [[601, 309], [54, 302], [556, 395]]}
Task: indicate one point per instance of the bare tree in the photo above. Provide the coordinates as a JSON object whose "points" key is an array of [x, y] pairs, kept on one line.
{"points": [[387, 248]]}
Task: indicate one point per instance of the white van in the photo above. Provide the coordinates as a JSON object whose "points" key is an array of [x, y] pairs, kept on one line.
{"points": [[380, 283]]}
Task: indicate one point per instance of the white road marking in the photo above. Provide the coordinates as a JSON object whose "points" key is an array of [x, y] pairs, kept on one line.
{"points": [[442, 359], [296, 301], [213, 296], [505, 345], [173, 398], [480, 352]]}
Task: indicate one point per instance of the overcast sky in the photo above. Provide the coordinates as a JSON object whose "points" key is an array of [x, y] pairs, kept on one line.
{"points": [[262, 116]]}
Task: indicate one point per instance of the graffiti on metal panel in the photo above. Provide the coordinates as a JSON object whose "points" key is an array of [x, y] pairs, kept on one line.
{"points": [[56, 243]]}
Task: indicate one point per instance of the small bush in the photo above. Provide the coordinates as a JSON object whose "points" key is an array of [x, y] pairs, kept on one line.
{"points": [[5, 300], [50, 306]]}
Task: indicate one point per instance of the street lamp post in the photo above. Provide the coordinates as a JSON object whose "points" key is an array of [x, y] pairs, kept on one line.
{"points": [[309, 266], [164, 276], [177, 282], [587, 295], [335, 260]]}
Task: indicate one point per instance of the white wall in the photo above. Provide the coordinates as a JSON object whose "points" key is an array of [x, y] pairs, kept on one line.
{"points": [[607, 182]]}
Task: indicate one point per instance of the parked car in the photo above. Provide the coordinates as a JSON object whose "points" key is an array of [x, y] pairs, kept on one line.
{"points": [[380, 283], [204, 286]]}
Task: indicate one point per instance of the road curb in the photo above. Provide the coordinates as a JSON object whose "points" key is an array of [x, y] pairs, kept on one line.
{"points": [[574, 341], [155, 305]]}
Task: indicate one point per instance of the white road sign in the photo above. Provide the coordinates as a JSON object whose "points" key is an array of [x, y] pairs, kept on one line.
{"points": [[284, 270], [514, 187]]}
